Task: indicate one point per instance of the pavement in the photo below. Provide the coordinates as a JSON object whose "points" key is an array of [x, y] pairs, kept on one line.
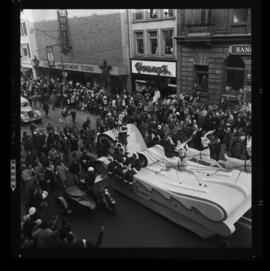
{"points": [[133, 225]]}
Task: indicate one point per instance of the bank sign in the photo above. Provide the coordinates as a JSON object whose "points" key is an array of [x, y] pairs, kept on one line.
{"points": [[240, 49], [158, 68]]}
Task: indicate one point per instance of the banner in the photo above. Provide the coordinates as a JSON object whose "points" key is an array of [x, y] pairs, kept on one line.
{"points": [[63, 30]]}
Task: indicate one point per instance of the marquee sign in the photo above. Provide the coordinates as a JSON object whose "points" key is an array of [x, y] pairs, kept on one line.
{"points": [[240, 49], [74, 67], [63, 29], [158, 68], [83, 67]]}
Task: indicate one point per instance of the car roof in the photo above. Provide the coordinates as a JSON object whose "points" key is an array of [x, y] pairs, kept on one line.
{"points": [[23, 100]]}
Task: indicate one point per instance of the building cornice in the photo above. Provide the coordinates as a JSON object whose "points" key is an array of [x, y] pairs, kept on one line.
{"points": [[214, 38]]}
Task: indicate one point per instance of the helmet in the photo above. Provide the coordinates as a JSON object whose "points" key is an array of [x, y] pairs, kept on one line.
{"points": [[90, 169], [32, 211]]}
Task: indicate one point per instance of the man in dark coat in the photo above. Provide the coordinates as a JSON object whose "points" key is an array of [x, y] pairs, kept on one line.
{"points": [[46, 108]]}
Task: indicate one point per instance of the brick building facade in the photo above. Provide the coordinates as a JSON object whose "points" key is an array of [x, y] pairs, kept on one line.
{"points": [[214, 52], [93, 38]]}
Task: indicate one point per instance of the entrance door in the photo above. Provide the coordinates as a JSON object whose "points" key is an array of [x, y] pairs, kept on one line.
{"points": [[235, 72], [201, 78]]}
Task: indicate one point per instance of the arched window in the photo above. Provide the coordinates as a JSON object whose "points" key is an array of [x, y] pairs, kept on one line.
{"points": [[235, 72]]}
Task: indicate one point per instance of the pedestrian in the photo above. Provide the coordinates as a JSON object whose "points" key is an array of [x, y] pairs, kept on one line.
{"points": [[90, 244], [75, 168], [50, 176], [46, 108], [64, 229], [72, 242], [54, 241], [27, 177], [64, 115], [41, 235], [61, 172], [73, 116], [29, 224]]}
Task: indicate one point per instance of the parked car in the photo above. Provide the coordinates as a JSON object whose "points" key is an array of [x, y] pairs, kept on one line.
{"points": [[28, 114]]}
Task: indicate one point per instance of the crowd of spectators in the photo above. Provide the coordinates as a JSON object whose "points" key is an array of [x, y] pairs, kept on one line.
{"points": [[48, 154], [155, 116]]}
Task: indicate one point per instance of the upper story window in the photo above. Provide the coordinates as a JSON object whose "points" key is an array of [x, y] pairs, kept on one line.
{"points": [[153, 37], [153, 13], [167, 13], [139, 46], [138, 14], [23, 29], [199, 17], [240, 16], [25, 50], [168, 41]]}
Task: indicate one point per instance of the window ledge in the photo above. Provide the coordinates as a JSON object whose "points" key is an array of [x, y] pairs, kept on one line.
{"points": [[238, 24], [152, 20]]}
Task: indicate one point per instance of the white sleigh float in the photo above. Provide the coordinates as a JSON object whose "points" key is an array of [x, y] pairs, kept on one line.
{"points": [[207, 200]]}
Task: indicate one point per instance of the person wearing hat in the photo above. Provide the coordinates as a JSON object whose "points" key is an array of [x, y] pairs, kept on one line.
{"points": [[41, 235], [90, 244], [29, 224], [169, 147], [90, 179]]}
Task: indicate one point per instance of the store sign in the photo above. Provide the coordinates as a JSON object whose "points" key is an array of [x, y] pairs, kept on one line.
{"points": [[240, 49], [83, 67], [74, 67], [158, 68], [63, 29]]}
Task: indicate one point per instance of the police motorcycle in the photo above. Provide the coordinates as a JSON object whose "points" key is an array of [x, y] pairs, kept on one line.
{"points": [[91, 192], [103, 195]]}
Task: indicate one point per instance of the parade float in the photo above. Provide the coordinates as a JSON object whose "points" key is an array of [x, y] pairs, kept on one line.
{"points": [[205, 199]]}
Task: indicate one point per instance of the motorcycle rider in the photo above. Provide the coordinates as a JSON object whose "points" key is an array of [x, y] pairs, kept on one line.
{"points": [[90, 181]]}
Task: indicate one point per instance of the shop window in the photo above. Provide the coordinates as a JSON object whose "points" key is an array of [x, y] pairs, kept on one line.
{"points": [[153, 42], [168, 41], [138, 14], [240, 16], [28, 49], [235, 73], [153, 13], [139, 43], [167, 13], [201, 78], [199, 17]]}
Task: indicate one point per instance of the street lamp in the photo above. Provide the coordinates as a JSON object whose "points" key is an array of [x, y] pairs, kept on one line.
{"points": [[36, 64], [106, 73]]}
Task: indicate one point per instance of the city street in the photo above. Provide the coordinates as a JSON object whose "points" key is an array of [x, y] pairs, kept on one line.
{"points": [[169, 91], [133, 225]]}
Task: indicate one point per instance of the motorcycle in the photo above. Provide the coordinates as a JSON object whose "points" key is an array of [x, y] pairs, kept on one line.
{"points": [[103, 195], [98, 195], [107, 200]]}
